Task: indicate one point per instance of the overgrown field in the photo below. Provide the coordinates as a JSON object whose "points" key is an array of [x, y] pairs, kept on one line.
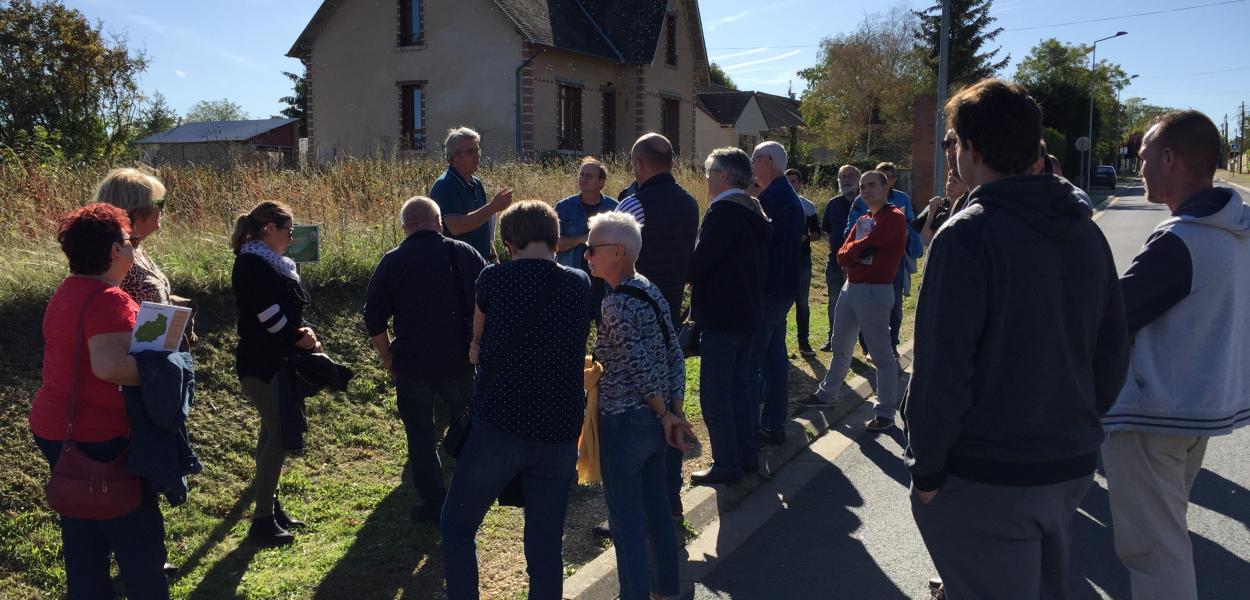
{"points": [[359, 542]]}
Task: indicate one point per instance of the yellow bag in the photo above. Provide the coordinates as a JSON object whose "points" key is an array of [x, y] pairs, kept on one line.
{"points": [[588, 443]]}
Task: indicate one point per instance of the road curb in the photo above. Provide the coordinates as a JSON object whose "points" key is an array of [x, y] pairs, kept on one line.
{"points": [[596, 580]]}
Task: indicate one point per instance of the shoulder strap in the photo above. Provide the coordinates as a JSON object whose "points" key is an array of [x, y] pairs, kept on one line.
{"points": [[510, 347], [81, 339], [634, 292]]}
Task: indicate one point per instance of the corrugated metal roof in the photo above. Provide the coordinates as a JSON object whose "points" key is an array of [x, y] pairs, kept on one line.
{"points": [[216, 131]]}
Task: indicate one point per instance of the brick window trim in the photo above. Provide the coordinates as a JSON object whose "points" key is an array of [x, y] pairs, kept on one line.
{"points": [[405, 142], [401, 41]]}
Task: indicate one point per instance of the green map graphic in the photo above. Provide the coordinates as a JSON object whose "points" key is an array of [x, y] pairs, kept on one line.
{"points": [[152, 330]]}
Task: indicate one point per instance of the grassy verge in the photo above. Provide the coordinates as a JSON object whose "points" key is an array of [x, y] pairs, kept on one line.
{"points": [[349, 485], [1239, 178]]}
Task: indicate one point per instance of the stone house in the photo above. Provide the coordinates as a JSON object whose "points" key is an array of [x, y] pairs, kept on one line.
{"points": [[728, 117], [532, 76]]}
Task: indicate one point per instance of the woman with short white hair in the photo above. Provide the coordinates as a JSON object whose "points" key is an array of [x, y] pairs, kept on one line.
{"points": [[640, 402]]}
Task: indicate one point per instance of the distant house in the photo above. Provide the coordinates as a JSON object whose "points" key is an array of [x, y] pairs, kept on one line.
{"points": [[224, 142], [743, 119], [532, 76]]}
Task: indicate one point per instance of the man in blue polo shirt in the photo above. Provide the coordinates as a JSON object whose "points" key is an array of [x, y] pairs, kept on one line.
{"points": [[467, 216]]}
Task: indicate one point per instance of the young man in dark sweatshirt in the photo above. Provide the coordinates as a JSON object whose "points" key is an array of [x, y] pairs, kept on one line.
{"points": [[1021, 347]]}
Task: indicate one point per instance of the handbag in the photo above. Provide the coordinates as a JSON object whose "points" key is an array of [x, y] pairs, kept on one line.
{"points": [[81, 487], [688, 335]]}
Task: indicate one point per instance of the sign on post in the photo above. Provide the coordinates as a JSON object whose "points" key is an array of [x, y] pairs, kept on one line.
{"points": [[1082, 143], [305, 244]]}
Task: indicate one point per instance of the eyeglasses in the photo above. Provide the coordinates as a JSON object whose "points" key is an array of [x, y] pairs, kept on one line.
{"points": [[132, 241], [159, 203], [470, 151], [590, 248], [290, 229]]}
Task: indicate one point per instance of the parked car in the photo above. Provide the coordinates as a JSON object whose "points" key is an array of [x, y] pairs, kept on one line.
{"points": [[1104, 176]]}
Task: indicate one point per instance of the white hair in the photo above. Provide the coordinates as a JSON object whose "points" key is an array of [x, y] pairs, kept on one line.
{"points": [[455, 135], [773, 150], [620, 228]]}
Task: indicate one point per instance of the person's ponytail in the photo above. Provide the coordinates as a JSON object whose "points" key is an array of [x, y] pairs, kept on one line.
{"points": [[242, 232]]}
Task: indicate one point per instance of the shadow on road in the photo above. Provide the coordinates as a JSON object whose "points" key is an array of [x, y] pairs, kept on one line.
{"points": [[817, 556]]}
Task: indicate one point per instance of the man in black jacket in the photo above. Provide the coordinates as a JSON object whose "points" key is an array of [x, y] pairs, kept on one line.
{"points": [[427, 285], [669, 216], [1021, 346], [727, 276]]}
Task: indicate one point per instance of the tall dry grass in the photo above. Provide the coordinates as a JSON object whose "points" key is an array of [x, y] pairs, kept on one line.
{"points": [[355, 201]]}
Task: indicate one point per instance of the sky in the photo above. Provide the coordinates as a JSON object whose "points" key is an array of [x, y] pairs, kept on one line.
{"points": [[1196, 58]]}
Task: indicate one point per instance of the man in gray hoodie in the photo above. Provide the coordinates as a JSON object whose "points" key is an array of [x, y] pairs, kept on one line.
{"points": [[1020, 348], [1185, 295]]}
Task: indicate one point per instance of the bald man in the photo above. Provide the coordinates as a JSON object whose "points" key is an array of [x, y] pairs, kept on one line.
{"points": [[425, 286]]}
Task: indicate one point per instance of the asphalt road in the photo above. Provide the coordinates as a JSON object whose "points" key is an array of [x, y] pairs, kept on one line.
{"points": [[848, 532]]}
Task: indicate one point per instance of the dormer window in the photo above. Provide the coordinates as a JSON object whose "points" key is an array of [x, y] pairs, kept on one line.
{"points": [[670, 38]]}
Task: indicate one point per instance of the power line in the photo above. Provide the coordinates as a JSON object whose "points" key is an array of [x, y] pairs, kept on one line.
{"points": [[1141, 14], [1195, 74], [779, 47]]}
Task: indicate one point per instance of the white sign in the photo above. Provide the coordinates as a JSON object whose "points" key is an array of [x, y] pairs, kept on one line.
{"points": [[1082, 144]]}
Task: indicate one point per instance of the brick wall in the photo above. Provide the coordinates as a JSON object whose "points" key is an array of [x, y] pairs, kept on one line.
{"points": [[924, 115]]}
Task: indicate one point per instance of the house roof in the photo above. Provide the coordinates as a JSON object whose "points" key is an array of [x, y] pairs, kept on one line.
{"points": [[215, 131], [725, 106], [623, 31]]}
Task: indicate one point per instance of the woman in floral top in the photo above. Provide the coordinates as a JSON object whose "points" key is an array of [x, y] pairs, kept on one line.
{"points": [[640, 401]]}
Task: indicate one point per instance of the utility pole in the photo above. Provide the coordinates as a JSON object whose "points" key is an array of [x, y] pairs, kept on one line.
{"points": [[1241, 139], [944, 51]]}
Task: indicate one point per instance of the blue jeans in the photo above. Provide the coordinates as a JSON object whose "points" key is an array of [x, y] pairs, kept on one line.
{"points": [[768, 348], [727, 400], [415, 401], [136, 540], [802, 310], [632, 456], [896, 313], [490, 459]]}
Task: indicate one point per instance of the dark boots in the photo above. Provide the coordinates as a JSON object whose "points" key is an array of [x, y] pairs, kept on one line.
{"points": [[265, 531]]}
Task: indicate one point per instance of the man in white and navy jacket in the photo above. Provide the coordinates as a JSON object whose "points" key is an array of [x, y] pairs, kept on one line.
{"points": [[1186, 296]]}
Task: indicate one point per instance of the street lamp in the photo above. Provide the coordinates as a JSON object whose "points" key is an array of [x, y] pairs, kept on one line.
{"points": [[1093, 65]]}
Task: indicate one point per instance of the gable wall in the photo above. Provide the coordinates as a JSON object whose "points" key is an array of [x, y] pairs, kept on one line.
{"points": [[468, 62]]}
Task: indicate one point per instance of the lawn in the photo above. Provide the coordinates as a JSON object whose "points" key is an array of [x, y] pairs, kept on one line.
{"points": [[349, 485]]}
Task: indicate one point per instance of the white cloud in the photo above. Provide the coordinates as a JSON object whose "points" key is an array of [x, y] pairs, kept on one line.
{"points": [[180, 73], [726, 20], [764, 60]]}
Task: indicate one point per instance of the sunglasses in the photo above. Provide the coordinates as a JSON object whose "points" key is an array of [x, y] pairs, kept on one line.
{"points": [[159, 203], [590, 248]]}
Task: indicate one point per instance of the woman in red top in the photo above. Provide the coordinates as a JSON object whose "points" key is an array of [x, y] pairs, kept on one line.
{"points": [[97, 241], [870, 257]]}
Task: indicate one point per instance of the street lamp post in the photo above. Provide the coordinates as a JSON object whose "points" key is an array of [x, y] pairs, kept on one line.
{"points": [[1093, 66]]}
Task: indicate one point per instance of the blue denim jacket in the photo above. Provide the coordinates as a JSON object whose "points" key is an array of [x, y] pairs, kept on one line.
{"points": [[573, 221]]}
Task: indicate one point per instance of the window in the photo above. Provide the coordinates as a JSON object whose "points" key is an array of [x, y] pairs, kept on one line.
{"points": [[609, 123], [411, 26], [670, 36], [670, 122], [412, 126], [569, 121]]}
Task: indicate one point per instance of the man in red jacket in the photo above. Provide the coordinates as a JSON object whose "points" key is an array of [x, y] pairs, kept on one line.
{"points": [[870, 257]]}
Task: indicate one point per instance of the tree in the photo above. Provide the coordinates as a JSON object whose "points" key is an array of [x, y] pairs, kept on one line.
{"points": [[157, 117], [297, 102], [66, 82], [719, 77], [215, 110], [858, 101], [1057, 75], [970, 32]]}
